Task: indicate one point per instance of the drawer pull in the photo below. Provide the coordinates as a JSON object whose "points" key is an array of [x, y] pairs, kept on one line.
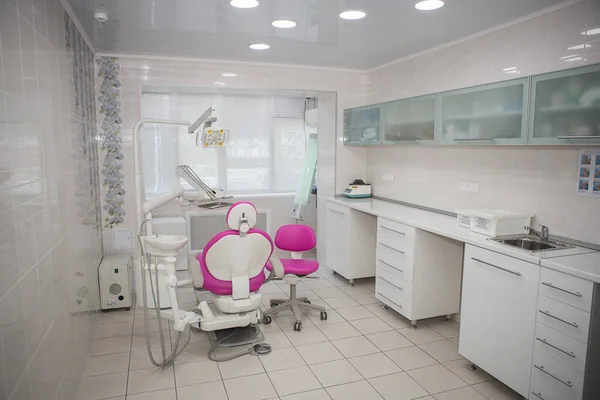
{"points": [[573, 324], [569, 353], [393, 302], [390, 265], [390, 283], [393, 230], [497, 267], [541, 368], [538, 395], [561, 289], [336, 212], [391, 248]]}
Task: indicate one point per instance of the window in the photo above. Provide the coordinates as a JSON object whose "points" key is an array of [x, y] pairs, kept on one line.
{"points": [[264, 155]]}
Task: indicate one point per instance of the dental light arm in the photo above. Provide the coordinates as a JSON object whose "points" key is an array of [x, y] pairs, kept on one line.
{"points": [[217, 141], [205, 117]]}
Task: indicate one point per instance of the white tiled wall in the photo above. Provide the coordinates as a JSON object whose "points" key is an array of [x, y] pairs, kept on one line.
{"points": [[534, 179], [337, 90], [49, 230]]}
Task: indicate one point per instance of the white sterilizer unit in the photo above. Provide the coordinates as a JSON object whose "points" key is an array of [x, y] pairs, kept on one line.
{"points": [[114, 275]]}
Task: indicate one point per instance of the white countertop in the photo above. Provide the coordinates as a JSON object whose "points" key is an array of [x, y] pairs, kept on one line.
{"points": [[586, 266], [570, 261]]}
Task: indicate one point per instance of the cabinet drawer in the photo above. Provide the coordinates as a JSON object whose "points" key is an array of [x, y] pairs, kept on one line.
{"points": [[542, 390], [570, 351], [337, 209], [564, 318], [392, 277], [400, 259], [400, 268], [557, 374], [567, 289], [392, 297], [395, 230]]}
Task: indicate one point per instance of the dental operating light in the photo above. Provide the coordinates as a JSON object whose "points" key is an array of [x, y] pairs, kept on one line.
{"points": [[208, 137]]}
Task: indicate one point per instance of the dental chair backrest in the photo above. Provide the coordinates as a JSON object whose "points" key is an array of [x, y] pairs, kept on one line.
{"points": [[233, 262]]}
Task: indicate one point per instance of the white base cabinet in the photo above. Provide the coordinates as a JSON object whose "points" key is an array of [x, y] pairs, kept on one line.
{"points": [[350, 249], [498, 315], [418, 273]]}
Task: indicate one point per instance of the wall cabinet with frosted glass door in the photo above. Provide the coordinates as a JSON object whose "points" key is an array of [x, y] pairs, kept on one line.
{"points": [[409, 121], [565, 107], [493, 114], [362, 126]]}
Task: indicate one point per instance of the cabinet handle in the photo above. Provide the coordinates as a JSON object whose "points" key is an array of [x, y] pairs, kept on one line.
{"points": [[541, 368], [390, 283], [561, 289], [391, 248], [472, 140], [538, 395], [569, 353], [390, 265], [393, 302], [573, 324], [393, 230], [497, 267], [336, 212], [577, 137]]}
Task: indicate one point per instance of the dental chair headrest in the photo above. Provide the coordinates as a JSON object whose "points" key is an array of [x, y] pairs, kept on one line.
{"points": [[242, 216]]}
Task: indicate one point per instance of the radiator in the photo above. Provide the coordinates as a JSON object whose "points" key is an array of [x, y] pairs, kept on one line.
{"points": [[204, 225]]}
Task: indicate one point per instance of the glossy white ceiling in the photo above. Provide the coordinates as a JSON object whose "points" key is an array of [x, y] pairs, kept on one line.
{"points": [[213, 29]]}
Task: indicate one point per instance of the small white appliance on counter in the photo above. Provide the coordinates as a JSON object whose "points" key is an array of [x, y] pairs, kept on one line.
{"points": [[494, 222], [358, 190], [114, 275]]}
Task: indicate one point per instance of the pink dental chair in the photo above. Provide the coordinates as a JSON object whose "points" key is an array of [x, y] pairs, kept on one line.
{"points": [[232, 268], [296, 239]]}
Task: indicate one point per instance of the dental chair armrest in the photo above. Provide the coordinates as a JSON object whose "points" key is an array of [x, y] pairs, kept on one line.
{"points": [[278, 271]]}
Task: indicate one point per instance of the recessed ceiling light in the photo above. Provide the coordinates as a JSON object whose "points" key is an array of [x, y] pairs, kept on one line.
{"points": [[284, 23], [580, 47], [244, 3], [353, 14], [259, 46], [571, 58], [428, 5], [228, 74], [590, 32]]}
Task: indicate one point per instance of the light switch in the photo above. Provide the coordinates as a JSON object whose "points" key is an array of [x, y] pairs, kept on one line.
{"points": [[122, 239], [388, 177], [469, 187]]}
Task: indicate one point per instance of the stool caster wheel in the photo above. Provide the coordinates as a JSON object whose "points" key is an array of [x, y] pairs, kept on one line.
{"points": [[267, 319], [471, 367], [323, 315], [298, 326], [273, 304], [351, 283], [307, 301]]}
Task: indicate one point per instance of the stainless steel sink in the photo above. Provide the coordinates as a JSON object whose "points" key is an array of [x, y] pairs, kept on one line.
{"points": [[531, 243]]}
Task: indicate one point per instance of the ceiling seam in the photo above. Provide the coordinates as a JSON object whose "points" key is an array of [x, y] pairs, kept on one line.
{"points": [[237, 62], [69, 10]]}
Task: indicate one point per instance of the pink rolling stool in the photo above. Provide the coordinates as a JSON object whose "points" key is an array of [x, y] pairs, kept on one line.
{"points": [[296, 239]]}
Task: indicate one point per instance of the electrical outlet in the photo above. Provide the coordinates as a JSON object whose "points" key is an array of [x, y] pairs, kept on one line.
{"points": [[469, 187], [388, 177]]}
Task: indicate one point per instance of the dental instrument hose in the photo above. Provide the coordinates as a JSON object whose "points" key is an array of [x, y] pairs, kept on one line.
{"points": [[146, 261]]}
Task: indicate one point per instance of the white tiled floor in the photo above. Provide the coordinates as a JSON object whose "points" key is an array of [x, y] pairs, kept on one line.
{"points": [[361, 352]]}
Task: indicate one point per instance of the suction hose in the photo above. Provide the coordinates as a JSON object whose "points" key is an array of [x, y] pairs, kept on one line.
{"points": [[146, 263]]}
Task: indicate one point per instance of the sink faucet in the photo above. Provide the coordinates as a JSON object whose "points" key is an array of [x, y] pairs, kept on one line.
{"points": [[142, 227], [543, 233]]}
